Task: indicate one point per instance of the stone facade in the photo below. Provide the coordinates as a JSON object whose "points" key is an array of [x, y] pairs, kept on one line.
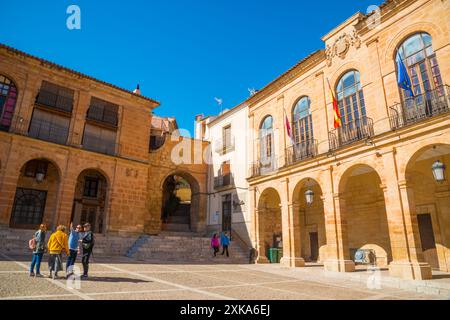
{"points": [[377, 190], [126, 176]]}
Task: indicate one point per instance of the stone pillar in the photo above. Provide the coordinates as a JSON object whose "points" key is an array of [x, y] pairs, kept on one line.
{"points": [[23, 113], [338, 253], [81, 105], [260, 246], [408, 261], [443, 206], [295, 255]]}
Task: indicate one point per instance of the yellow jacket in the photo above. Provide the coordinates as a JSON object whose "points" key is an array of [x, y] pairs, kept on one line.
{"points": [[58, 242]]}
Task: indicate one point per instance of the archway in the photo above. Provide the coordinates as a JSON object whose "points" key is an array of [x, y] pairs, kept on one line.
{"points": [[309, 221], [89, 205], [269, 223], [363, 210], [36, 195], [431, 201], [180, 203]]}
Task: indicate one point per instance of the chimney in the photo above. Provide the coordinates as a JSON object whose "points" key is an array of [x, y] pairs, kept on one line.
{"points": [[137, 90]]}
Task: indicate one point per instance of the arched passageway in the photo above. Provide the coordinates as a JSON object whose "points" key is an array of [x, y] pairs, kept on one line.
{"points": [[90, 200], [269, 223], [363, 211], [429, 196]]}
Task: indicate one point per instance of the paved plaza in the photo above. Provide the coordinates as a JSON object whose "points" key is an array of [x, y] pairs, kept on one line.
{"points": [[125, 279]]}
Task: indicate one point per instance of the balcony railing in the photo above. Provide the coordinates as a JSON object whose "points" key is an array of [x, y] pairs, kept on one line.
{"points": [[103, 115], [48, 131], [221, 147], [351, 132], [223, 181], [54, 101], [301, 151], [419, 108], [96, 144], [263, 167]]}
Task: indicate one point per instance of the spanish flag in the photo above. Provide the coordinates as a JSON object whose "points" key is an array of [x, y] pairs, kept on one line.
{"points": [[336, 113]]}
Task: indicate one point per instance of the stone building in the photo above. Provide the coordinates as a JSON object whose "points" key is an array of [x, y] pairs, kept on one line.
{"points": [[73, 148], [370, 190]]}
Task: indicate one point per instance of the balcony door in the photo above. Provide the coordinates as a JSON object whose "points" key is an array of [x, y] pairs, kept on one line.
{"points": [[226, 213], [303, 129]]}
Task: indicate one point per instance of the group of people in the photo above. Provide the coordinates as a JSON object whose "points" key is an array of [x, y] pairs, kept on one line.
{"points": [[223, 240], [79, 240]]}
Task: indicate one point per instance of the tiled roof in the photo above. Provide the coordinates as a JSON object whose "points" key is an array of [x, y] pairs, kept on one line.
{"points": [[52, 64]]}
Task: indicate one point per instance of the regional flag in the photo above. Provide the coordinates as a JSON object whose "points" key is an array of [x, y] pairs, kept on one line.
{"points": [[336, 113], [289, 129]]}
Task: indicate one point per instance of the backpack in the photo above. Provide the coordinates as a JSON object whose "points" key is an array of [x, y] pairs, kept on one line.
{"points": [[32, 244], [88, 241]]}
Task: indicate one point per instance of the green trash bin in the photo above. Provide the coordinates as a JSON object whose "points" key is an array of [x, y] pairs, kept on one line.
{"points": [[273, 255]]}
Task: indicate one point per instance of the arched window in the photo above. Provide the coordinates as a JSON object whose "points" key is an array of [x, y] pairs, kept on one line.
{"points": [[350, 98], [421, 63], [302, 120], [266, 139], [8, 98]]}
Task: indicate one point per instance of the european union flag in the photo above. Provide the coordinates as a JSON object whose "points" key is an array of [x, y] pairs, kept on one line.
{"points": [[404, 81]]}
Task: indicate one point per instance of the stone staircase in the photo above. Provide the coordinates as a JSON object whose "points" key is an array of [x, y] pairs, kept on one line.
{"points": [[185, 248], [170, 247]]}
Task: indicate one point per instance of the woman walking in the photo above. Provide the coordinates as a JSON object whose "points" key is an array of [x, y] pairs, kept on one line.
{"points": [[215, 244], [38, 243], [57, 243]]}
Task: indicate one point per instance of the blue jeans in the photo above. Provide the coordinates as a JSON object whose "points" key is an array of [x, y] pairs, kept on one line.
{"points": [[71, 258], [37, 259]]}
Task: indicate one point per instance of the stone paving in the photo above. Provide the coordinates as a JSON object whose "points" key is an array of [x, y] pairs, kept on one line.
{"points": [[125, 279]]}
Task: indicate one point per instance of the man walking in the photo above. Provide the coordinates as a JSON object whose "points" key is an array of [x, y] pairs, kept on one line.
{"points": [[88, 245], [225, 242], [74, 240]]}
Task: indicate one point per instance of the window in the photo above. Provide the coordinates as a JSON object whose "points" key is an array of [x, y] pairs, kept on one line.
{"points": [[99, 139], [351, 100], [103, 111], [266, 139], [54, 96], [49, 127], [302, 120], [28, 209], [226, 138], [8, 98], [91, 187]]}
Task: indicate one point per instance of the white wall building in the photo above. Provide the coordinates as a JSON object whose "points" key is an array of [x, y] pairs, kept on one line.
{"points": [[228, 200]]}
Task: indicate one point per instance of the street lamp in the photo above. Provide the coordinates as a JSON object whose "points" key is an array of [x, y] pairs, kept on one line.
{"points": [[40, 177], [438, 169], [309, 195]]}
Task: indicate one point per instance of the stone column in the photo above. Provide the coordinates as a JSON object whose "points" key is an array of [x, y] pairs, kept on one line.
{"points": [[260, 246], [81, 105], [408, 261], [23, 113], [295, 258], [338, 253], [443, 206]]}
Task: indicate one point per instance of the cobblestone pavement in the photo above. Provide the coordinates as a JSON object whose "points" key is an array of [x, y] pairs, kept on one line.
{"points": [[123, 279]]}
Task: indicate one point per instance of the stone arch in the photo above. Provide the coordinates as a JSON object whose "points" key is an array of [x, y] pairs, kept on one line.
{"points": [[433, 30], [91, 198], [429, 201], [182, 209], [269, 222], [363, 215], [36, 193], [309, 221], [346, 67]]}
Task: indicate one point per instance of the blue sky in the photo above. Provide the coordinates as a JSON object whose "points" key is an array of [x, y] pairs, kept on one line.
{"points": [[183, 53]]}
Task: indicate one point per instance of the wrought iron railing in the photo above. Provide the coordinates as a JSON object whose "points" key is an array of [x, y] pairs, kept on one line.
{"points": [[44, 130], [223, 181], [263, 167], [420, 107], [55, 101], [221, 147], [351, 132], [101, 114], [96, 144], [301, 151]]}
